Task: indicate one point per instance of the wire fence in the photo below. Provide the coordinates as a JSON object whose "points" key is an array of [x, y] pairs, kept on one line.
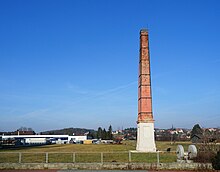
{"points": [[87, 157]]}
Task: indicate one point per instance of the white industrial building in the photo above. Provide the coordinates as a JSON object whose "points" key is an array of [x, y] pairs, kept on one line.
{"points": [[44, 139]]}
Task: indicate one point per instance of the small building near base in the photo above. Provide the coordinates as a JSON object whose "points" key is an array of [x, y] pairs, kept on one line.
{"points": [[196, 138]]}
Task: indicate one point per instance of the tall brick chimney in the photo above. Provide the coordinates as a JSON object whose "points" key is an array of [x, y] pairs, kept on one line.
{"points": [[145, 122]]}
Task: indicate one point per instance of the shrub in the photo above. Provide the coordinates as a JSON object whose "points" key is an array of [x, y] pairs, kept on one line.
{"points": [[204, 157], [216, 161]]}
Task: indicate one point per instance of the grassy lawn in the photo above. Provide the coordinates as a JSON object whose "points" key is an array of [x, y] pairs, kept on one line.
{"points": [[89, 153], [162, 146], [73, 148], [125, 146]]}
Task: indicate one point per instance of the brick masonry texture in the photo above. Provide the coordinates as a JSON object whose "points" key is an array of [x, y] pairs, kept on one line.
{"points": [[144, 81]]}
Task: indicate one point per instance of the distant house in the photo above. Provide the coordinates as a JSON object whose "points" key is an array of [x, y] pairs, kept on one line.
{"points": [[196, 138]]}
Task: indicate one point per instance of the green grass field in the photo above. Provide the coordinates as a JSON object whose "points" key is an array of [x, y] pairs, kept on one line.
{"points": [[125, 146], [68, 153]]}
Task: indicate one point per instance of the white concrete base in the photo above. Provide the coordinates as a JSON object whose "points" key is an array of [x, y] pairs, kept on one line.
{"points": [[145, 137]]}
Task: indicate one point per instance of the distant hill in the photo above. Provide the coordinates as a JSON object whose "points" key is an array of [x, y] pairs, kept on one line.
{"points": [[68, 131]]}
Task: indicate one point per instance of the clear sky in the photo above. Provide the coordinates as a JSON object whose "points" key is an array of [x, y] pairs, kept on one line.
{"points": [[74, 63]]}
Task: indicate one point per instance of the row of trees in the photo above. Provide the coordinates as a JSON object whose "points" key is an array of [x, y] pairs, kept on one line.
{"points": [[25, 129], [102, 134]]}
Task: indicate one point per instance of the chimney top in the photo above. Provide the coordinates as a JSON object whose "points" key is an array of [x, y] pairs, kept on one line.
{"points": [[144, 30]]}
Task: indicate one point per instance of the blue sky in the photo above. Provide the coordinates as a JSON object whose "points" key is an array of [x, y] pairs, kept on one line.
{"points": [[74, 63]]}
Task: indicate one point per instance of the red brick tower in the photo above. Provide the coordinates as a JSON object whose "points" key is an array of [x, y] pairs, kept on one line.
{"points": [[145, 137]]}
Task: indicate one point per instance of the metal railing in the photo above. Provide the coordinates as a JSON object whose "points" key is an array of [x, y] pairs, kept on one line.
{"points": [[87, 157]]}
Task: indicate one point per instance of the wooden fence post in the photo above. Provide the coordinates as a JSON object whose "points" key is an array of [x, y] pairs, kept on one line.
{"points": [[101, 157], [74, 157], [129, 156], [46, 157], [19, 158], [158, 157]]}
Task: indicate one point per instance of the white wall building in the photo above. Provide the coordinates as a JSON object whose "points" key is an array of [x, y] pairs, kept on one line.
{"points": [[43, 139]]}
